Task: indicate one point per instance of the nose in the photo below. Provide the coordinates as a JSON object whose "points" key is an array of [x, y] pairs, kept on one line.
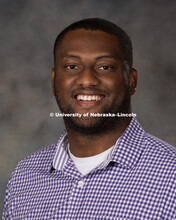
{"points": [[87, 78]]}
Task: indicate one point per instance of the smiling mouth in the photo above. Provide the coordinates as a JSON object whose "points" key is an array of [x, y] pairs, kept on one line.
{"points": [[89, 98]]}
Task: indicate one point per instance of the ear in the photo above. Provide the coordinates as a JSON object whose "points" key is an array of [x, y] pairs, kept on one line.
{"points": [[133, 80], [53, 75]]}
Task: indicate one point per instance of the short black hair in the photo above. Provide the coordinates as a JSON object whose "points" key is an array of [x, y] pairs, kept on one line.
{"points": [[101, 25]]}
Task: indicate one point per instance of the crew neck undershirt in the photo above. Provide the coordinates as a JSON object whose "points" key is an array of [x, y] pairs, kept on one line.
{"points": [[86, 164]]}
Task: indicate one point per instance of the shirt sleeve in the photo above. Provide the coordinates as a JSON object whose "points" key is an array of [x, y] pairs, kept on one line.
{"points": [[170, 204], [6, 208], [5, 215]]}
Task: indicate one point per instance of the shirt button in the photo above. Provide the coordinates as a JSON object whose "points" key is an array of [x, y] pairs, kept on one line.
{"points": [[80, 183]]}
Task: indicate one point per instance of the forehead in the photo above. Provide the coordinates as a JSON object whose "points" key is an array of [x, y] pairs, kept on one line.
{"points": [[89, 42]]}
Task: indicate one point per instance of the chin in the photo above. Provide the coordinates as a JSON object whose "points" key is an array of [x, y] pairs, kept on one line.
{"points": [[93, 126], [83, 125]]}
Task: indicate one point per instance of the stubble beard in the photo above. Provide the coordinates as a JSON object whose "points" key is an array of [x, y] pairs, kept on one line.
{"points": [[97, 125]]}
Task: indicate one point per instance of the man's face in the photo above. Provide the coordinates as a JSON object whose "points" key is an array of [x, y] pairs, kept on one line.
{"points": [[89, 77]]}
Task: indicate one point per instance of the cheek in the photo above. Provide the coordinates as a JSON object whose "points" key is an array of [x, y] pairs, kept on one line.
{"points": [[63, 84], [115, 84]]}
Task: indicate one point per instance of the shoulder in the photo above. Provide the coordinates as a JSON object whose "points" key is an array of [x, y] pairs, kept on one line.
{"points": [[160, 147], [39, 160], [159, 157], [28, 171]]}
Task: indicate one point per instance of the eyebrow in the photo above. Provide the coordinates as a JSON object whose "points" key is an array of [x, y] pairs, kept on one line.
{"points": [[72, 56], [108, 56]]}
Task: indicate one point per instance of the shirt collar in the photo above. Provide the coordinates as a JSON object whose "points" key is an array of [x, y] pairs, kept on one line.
{"points": [[130, 145], [61, 155], [126, 151]]}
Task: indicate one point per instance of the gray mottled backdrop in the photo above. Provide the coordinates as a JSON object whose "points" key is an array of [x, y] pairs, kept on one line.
{"points": [[27, 33]]}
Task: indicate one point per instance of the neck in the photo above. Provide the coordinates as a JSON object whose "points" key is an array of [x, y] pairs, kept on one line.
{"points": [[86, 145]]}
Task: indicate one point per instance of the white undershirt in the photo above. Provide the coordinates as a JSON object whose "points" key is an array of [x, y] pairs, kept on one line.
{"points": [[86, 164]]}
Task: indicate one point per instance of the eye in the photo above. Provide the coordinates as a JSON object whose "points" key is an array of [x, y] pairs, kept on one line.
{"points": [[105, 68], [71, 67]]}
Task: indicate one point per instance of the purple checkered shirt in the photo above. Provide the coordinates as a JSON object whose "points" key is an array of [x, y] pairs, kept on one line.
{"points": [[136, 182]]}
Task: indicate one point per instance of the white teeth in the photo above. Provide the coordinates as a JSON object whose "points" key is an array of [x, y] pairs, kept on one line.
{"points": [[88, 97]]}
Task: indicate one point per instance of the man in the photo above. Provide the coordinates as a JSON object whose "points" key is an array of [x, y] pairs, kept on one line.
{"points": [[104, 165]]}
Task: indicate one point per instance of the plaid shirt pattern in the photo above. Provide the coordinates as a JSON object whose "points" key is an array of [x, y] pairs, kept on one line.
{"points": [[136, 182]]}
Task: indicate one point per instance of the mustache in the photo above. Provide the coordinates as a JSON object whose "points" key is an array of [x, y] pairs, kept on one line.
{"points": [[92, 89]]}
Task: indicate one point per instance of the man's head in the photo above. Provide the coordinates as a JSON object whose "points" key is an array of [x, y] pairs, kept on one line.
{"points": [[89, 75], [101, 25]]}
